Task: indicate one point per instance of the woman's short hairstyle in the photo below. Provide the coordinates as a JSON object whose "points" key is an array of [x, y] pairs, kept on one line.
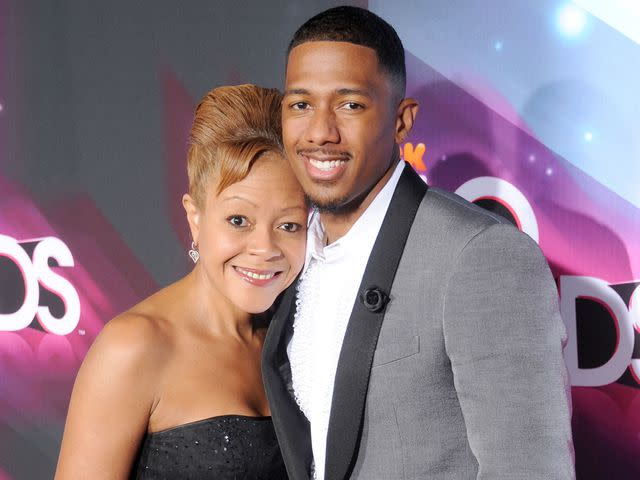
{"points": [[232, 128]]}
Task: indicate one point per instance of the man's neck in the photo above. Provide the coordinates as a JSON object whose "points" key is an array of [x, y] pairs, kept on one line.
{"points": [[336, 225]]}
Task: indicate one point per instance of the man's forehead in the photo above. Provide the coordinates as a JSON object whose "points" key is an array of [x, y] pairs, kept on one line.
{"points": [[330, 49], [325, 65]]}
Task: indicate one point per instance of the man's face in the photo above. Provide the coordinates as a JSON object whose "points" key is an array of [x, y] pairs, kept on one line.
{"points": [[339, 119]]}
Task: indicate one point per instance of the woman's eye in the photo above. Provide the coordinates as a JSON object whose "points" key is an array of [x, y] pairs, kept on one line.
{"points": [[237, 221], [290, 227], [300, 106]]}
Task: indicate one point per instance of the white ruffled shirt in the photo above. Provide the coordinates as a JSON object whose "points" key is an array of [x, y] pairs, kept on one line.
{"points": [[326, 294]]}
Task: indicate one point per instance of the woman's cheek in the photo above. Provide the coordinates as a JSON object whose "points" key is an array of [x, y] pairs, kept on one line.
{"points": [[298, 254]]}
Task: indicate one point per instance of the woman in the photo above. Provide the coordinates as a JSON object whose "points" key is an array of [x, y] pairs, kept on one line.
{"points": [[172, 388]]}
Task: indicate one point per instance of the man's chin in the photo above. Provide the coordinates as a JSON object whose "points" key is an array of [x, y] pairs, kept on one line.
{"points": [[331, 205]]}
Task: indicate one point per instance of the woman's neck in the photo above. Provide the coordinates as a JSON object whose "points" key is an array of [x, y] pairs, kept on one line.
{"points": [[212, 310]]}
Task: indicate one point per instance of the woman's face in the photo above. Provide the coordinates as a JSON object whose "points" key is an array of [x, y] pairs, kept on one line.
{"points": [[252, 235]]}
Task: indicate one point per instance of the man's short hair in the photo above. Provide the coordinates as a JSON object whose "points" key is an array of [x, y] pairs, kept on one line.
{"points": [[360, 27]]}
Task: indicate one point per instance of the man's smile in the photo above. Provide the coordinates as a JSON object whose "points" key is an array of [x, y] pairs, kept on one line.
{"points": [[324, 168]]}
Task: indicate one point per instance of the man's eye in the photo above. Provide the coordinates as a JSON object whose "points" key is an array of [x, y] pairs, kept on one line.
{"points": [[300, 106], [290, 227], [353, 106], [238, 221]]}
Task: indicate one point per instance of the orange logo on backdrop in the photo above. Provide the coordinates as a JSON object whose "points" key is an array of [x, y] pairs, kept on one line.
{"points": [[414, 155]]}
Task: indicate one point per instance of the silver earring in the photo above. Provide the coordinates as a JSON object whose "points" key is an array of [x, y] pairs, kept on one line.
{"points": [[193, 253]]}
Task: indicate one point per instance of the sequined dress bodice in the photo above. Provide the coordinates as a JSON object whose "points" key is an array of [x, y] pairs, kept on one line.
{"points": [[222, 448]]}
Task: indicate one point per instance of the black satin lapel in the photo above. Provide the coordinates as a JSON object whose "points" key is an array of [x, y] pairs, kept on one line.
{"points": [[361, 337], [291, 426], [278, 325]]}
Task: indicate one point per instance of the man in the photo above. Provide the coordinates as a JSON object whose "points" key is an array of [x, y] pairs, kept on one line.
{"points": [[423, 338]]}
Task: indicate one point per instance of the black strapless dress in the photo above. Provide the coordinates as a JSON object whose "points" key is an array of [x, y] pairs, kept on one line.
{"points": [[227, 447]]}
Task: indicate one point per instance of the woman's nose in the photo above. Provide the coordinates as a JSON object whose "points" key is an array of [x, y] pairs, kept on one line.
{"points": [[263, 243]]}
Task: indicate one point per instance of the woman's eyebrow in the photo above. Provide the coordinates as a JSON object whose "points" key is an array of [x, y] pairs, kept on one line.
{"points": [[294, 207], [237, 197]]}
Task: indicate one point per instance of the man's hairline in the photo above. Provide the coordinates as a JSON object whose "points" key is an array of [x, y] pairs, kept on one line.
{"points": [[402, 90]]}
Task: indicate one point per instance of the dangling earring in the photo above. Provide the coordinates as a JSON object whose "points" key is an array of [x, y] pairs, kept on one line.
{"points": [[193, 253]]}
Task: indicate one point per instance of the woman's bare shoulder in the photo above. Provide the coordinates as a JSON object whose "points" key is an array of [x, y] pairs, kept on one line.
{"points": [[115, 392], [139, 338]]}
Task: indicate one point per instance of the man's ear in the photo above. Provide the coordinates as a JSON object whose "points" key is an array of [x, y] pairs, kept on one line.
{"points": [[193, 216], [405, 117]]}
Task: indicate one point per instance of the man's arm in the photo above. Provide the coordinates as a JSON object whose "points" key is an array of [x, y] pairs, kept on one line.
{"points": [[504, 336]]}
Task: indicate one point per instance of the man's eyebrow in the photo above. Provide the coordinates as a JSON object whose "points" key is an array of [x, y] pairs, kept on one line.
{"points": [[353, 91], [296, 91], [340, 91]]}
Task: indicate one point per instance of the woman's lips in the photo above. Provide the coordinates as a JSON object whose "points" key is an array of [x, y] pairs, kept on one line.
{"points": [[259, 278]]}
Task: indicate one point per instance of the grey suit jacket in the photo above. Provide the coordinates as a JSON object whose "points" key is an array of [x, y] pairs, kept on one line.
{"points": [[451, 367]]}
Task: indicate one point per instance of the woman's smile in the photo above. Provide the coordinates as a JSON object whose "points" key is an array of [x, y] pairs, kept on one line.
{"points": [[259, 278]]}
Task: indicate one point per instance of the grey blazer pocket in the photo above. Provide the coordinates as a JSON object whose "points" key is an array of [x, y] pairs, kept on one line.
{"points": [[391, 352]]}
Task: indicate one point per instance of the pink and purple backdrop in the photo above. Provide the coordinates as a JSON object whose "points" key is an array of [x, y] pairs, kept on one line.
{"points": [[93, 122]]}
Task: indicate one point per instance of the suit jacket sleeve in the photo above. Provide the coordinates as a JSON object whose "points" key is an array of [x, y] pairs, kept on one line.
{"points": [[504, 337]]}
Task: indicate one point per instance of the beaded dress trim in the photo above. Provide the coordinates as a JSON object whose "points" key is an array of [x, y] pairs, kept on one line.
{"points": [[223, 447]]}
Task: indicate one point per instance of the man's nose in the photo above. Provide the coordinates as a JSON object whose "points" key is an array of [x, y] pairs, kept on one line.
{"points": [[323, 127]]}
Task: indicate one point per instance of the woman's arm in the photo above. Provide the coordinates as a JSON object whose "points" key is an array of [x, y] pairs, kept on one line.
{"points": [[112, 399]]}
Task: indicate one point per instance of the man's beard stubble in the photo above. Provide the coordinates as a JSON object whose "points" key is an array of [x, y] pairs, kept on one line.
{"points": [[331, 206], [343, 205], [337, 206]]}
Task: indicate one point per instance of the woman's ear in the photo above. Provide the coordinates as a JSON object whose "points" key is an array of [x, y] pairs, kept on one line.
{"points": [[193, 216], [405, 117]]}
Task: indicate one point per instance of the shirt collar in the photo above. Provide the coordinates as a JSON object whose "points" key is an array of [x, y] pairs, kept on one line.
{"points": [[362, 234]]}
